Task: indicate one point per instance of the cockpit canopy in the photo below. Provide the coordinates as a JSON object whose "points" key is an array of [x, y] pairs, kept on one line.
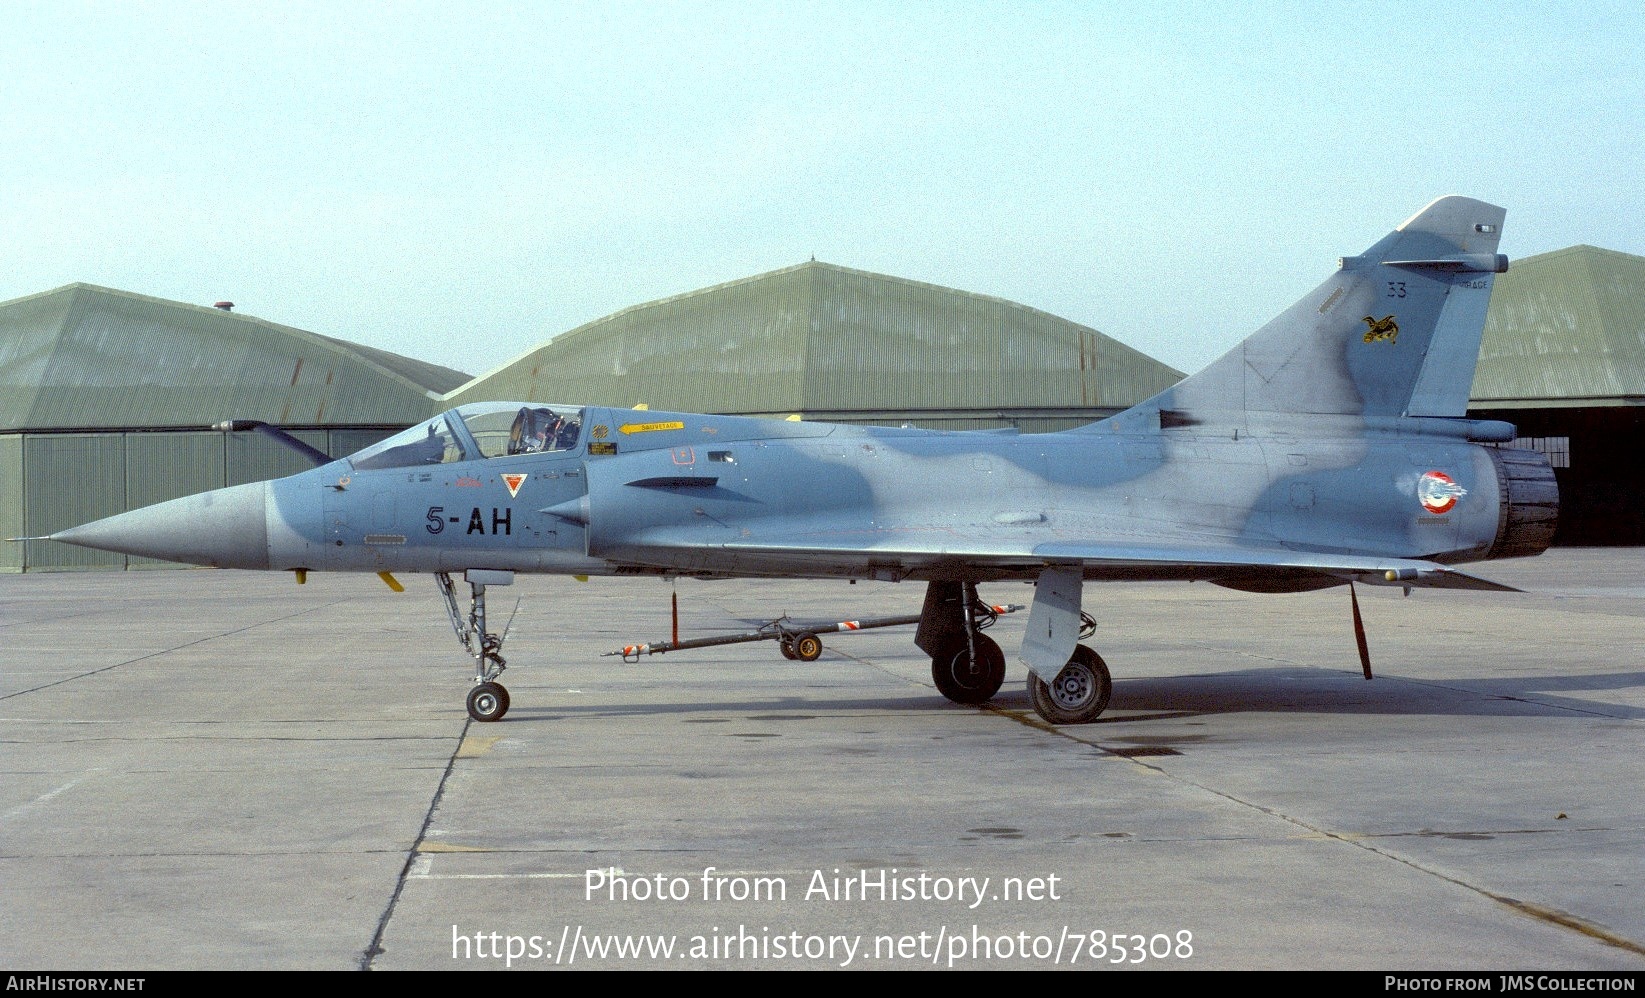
{"points": [[477, 432]]}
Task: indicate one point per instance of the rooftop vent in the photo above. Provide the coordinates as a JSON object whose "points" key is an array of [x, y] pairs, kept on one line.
{"points": [[226, 306]]}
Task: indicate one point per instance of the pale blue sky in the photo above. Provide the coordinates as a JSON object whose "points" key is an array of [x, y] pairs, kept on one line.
{"points": [[461, 181]]}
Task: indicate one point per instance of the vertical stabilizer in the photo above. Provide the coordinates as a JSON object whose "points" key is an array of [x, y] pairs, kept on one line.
{"points": [[1394, 332]]}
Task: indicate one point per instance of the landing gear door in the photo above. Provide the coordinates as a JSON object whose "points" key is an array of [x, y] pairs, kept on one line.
{"points": [[1053, 622]]}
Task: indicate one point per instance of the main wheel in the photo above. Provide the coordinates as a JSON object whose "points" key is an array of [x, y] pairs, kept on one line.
{"points": [[1078, 694], [487, 702], [808, 647], [787, 648], [964, 679]]}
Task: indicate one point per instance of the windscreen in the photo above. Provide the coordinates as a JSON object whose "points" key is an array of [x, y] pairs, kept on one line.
{"points": [[473, 432], [431, 442]]}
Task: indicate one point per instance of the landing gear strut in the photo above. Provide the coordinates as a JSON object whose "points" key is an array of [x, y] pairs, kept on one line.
{"points": [[488, 700]]}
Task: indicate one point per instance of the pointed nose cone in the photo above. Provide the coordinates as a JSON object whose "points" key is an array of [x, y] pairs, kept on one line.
{"points": [[226, 528]]}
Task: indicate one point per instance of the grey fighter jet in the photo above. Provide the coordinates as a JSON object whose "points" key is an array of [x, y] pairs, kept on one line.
{"points": [[1329, 448]]}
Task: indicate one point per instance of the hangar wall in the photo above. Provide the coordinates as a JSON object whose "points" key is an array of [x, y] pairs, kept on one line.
{"points": [[105, 397], [1563, 358], [53, 481]]}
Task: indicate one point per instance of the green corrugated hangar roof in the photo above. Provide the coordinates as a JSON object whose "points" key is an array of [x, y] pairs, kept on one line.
{"points": [[830, 342], [86, 357], [1565, 328]]}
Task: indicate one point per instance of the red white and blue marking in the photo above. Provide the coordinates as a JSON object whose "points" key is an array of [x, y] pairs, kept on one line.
{"points": [[1438, 492]]}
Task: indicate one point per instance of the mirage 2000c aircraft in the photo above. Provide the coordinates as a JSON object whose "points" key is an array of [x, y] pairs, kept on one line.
{"points": [[1329, 448]]}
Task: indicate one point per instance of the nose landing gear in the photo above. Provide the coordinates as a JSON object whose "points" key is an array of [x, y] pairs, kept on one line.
{"points": [[488, 700]]}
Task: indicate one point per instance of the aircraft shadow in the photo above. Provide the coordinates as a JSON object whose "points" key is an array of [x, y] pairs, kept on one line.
{"points": [[1320, 692], [1278, 690]]}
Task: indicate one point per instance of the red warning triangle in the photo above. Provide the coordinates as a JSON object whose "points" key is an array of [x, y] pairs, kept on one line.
{"points": [[514, 482]]}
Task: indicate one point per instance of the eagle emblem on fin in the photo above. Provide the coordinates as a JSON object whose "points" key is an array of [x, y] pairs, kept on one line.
{"points": [[1381, 329]]}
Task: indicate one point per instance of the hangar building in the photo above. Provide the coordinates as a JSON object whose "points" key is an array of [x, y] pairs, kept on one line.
{"points": [[840, 345], [106, 396], [1563, 358]]}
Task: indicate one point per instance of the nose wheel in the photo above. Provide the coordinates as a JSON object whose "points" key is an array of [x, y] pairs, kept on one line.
{"points": [[487, 700]]}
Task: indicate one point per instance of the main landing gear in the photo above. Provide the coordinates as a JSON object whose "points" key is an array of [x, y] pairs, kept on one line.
{"points": [[488, 700], [1068, 683], [967, 666]]}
